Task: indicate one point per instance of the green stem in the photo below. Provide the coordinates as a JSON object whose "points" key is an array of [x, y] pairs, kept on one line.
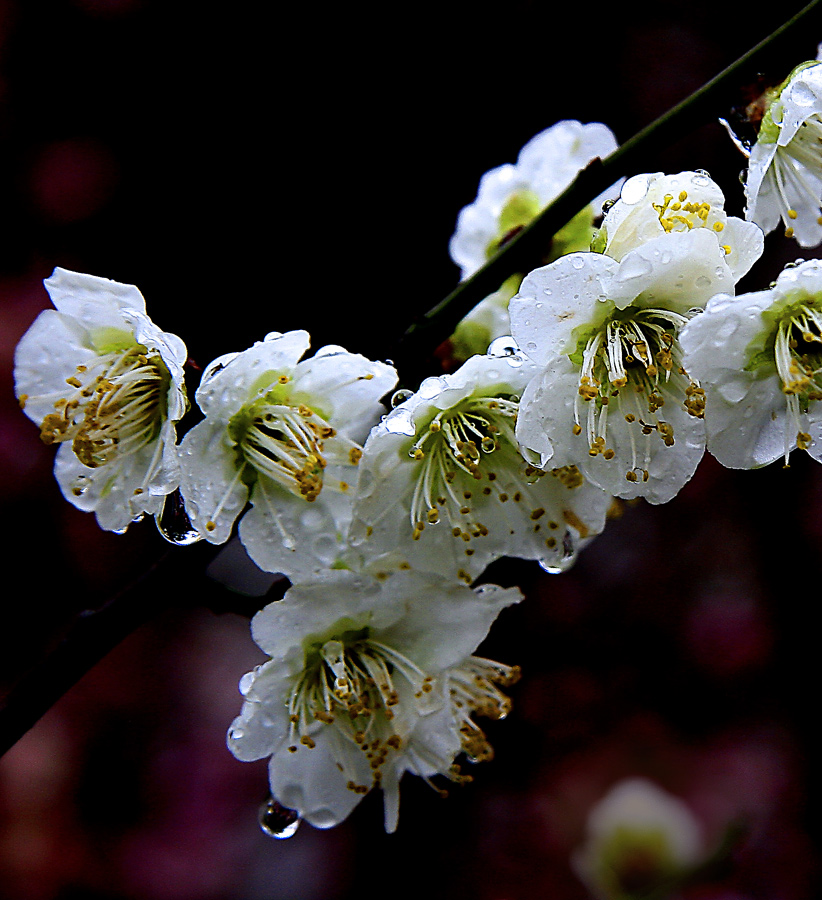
{"points": [[636, 155]]}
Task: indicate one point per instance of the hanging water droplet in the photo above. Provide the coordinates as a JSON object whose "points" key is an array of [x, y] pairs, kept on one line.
{"points": [[607, 205], [278, 821], [400, 396], [174, 524]]}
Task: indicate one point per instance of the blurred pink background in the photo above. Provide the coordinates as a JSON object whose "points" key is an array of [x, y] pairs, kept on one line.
{"points": [[252, 169]]}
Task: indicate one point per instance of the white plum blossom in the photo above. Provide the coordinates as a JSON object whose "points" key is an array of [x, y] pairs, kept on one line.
{"points": [[759, 359], [639, 840], [510, 196], [784, 178], [368, 679], [282, 433], [508, 199], [611, 395], [103, 381], [443, 483], [653, 205]]}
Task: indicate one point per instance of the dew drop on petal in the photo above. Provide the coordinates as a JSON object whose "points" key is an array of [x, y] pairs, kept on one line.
{"points": [[634, 266], [502, 346], [399, 423], [431, 387], [174, 524], [634, 189], [246, 682], [278, 821], [80, 485], [802, 95], [330, 350]]}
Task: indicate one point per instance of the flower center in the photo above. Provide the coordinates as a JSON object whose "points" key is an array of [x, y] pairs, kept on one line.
{"points": [[117, 406], [285, 443], [350, 683], [455, 451], [633, 361], [798, 357], [519, 210], [683, 214]]}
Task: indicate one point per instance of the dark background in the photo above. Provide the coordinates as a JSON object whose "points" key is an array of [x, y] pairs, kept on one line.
{"points": [[256, 168]]}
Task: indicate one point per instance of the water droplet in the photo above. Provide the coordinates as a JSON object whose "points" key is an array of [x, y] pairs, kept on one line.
{"points": [[577, 262], [174, 524], [278, 821], [399, 423], [634, 266], [488, 444], [431, 387], [703, 282], [801, 94], [701, 178], [330, 350], [503, 346], [80, 485], [246, 682], [634, 189], [400, 396], [607, 205]]}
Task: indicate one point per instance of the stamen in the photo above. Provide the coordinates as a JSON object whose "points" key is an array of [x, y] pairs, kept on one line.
{"points": [[116, 409], [638, 353]]}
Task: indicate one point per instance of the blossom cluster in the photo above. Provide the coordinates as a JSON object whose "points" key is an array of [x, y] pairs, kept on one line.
{"points": [[604, 374]]}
